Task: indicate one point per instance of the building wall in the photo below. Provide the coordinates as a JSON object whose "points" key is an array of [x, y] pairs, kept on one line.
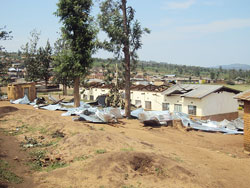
{"points": [[247, 125], [156, 99], [194, 102], [95, 92], [16, 91], [219, 103]]}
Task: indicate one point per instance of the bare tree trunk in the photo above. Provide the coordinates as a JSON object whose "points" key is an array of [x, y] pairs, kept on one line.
{"points": [[65, 89], [127, 61], [46, 84], [76, 92]]}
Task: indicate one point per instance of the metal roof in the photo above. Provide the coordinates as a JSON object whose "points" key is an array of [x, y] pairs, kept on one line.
{"points": [[197, 90], [243, 96]]}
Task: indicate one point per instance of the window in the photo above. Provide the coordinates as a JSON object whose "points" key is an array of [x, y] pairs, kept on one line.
{"points": [[148, 105], [137, 103], [178, 108], [191, 110], [165, 106], [91, 97]]}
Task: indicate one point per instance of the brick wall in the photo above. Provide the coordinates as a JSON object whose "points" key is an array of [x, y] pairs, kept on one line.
{"points": [[247, 125]]}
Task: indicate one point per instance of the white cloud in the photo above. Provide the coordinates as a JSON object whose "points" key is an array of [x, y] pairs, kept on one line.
{"points": [[191, 32], [216, 26], [179, 5]]}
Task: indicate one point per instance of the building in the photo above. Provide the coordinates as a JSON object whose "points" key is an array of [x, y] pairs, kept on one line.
{"points": [[18, 90], [245, 96], [214, 102]]}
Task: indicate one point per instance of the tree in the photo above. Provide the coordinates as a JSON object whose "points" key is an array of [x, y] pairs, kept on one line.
{"points": [[80, 32], [212, 75], [61, 62], [44, 59], [4, 64], [37, 60], [4, 35], [117, 20]]}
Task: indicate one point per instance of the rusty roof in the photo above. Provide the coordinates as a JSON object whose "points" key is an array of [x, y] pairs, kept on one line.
{"points": [[151, 88], [245, 96]]}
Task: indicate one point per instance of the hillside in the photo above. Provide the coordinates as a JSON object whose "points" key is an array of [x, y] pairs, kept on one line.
{"points": [[235, 66]]}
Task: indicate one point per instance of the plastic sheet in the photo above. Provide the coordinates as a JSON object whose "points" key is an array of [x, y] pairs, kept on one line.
{"points": [[24, 100]]}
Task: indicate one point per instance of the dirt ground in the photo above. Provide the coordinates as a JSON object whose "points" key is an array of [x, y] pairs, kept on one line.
{"points": [[48, 150]]}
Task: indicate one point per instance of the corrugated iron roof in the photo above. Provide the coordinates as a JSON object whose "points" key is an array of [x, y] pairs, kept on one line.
{"points": [[196, 90], [243, 96]]}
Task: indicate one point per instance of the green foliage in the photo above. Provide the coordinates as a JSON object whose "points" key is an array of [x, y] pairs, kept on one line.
{"points": [[124, 33], [4, 35], [62, 63], [37, 60], [80, 33]]}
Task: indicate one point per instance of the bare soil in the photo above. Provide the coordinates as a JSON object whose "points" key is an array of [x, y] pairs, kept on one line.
{"points": [[80, 154]]}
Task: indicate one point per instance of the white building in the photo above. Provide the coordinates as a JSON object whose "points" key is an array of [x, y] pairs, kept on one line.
{"points": [[213, 102]]}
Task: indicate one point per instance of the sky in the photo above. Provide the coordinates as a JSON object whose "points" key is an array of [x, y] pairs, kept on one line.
{"points": [[186, 32]]}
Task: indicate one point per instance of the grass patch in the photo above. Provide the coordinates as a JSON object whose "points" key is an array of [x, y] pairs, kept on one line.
{"points": [[81, 158], [127, 149], [100, 151], [37, 159], [101, 129], [6, 175], [160, 172], [178, 159], [56, 165]]}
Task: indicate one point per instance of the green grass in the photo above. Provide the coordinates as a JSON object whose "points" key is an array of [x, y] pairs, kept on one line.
{"points": [[37, 158], [37, 163], [81, 158], [6, 175], [56, 165], [101, 151], [127, 149]]}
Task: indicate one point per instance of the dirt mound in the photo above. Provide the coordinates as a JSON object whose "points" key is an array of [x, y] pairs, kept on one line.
{"points": [[136, 163], [7, 109], [83, 144]]}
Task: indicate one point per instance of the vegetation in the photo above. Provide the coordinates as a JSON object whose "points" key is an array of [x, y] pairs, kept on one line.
{"points": [[80, 32], [37, 60], [124, 32], [6, 175], [4, 35], [101, 151]]}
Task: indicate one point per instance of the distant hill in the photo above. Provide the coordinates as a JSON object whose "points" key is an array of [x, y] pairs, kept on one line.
{"points": [[235, 66]]}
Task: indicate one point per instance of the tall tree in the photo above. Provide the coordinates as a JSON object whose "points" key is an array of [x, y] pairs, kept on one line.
{"points": [[44, 59], [61, 64], [37, 60], [79, 30], [124, 32]]}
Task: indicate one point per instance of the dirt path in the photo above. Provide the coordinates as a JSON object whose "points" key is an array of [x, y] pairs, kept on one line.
{"points": [[11, 152], [129, 155]]}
